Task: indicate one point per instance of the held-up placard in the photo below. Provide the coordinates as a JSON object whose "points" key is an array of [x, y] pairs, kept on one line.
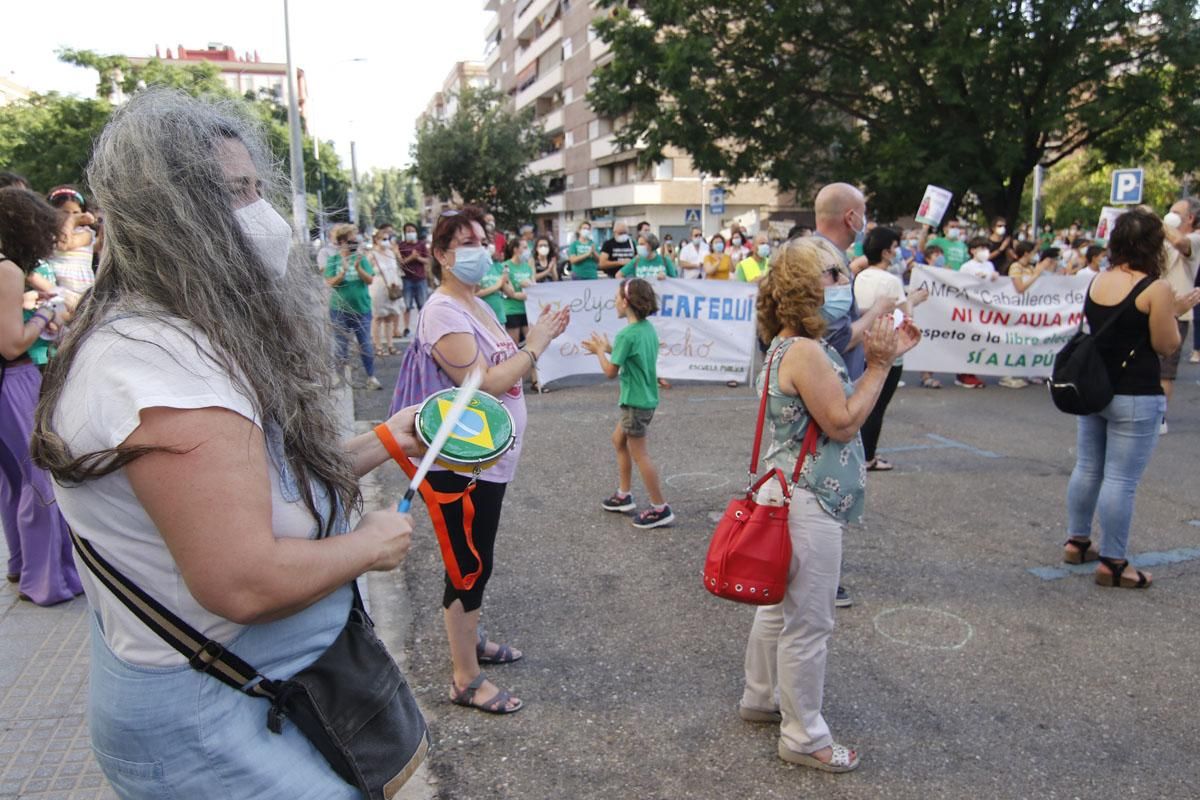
{"points": [[933, 206]]}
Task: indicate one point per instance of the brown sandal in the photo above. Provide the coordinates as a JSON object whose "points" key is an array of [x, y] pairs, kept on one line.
{"points": [[1080, 551], [497, 705], [1115, 577]]}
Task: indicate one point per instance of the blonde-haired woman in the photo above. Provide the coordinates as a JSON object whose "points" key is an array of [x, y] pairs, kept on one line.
{"points": [[807, 382]]}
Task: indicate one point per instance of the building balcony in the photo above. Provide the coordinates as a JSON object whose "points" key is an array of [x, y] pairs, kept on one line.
{"points": [[597, 51], [550, 163], [492, 57], [544, 85], [527, 17], [554, 204], [603, 147], [553, 121], [550, 37], [628, 194]]}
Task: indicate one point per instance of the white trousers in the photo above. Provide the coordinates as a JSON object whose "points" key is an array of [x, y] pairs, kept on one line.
{"points": [[785, 657]]}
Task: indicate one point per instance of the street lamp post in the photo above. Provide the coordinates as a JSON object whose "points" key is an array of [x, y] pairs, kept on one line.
{"points": [[296, 150]]}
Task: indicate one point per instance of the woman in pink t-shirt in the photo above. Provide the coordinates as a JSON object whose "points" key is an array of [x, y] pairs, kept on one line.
{"points": [[459, 334]]}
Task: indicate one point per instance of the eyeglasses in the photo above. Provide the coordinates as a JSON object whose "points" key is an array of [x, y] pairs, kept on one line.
{"points": [[833, 272], [450, 212]]}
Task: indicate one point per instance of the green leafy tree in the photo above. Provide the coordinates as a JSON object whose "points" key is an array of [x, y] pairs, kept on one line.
{"points": [[49, 137], [481, 155], [388, 195], [970, 96]]}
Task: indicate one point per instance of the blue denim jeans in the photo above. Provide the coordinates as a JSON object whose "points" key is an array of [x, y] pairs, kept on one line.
{"points": [[1114, 447], [347, 324]]}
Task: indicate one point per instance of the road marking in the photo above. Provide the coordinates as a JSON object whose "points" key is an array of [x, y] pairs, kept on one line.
{"points": [[920, 617], [943, 443], [1141, 560], [1194, 522]]}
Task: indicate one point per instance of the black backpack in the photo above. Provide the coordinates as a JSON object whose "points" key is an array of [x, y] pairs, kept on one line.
{"points": [[1080, 383]]}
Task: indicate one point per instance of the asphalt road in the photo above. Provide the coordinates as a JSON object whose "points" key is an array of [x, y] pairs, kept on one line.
{"points": [[957, 673]]}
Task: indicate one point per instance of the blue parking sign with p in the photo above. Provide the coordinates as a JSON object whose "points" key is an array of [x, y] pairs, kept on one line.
{"points": [[1126, 187]]}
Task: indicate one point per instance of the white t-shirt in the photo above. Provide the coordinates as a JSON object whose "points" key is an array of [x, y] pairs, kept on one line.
{"points": [[695, 255], [1181, 272], [121, 368], [980, 269], [872, 284]]}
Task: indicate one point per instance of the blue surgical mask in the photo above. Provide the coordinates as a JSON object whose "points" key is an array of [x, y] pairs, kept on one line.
{"points": [[764, 250], [837, 302], [643, 251], [940, 261], [470, 264], [718, 247]]}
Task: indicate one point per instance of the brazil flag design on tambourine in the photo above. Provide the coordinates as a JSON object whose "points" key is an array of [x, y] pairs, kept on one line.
{"points": [[483, 434]]}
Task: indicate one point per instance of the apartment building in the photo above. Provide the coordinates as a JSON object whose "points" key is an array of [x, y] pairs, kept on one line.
{"points": [[542, 54], [442, 106]]}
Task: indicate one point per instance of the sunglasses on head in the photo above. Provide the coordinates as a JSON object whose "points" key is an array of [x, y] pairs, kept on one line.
{"points": [[835, 272]]}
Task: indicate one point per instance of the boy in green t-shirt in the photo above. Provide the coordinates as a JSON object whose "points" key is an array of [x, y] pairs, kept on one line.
{"points": [[635, 360]]}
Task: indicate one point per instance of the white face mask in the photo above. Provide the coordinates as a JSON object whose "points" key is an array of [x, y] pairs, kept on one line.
{"points": [[1000, 229], [543, 251], [270, 235], [981, 255]]}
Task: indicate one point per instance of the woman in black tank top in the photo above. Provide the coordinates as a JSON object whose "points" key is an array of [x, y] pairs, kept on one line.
{"points": [[1114, 446]]}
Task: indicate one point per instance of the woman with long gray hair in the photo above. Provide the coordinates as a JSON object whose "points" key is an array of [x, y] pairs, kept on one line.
{"points": [[189, 425]]}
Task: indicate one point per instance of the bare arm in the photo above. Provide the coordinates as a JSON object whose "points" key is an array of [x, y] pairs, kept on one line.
{"points": [[340, 276], [858, 264], [366, 452], [859, 328], [806, 372], [1165, 306], [364, 276], [211, 501], [17, 335], [1021, 283], [458, 354], [1180, 241], [599, 345]]}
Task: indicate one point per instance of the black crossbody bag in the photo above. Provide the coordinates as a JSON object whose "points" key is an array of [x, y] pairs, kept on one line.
{"points": [[352, 703]]}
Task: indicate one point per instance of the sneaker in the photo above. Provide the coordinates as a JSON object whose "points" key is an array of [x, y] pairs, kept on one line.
{"points": [[619, 503], [653, 518], [968, 382], [1013, 383], [843, 599], [373, 383], [1194, 358]]}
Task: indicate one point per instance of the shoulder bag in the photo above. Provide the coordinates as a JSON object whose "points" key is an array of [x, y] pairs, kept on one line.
{"points": [[352, 703], [751, 551], [1080, 382]]}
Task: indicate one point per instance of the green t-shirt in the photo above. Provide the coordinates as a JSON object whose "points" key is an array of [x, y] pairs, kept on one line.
{"points": [[41, 351], [351, 294], [955, 250], [518, 271], [649, 269], [635, 351], [496, 299], [584, 270]]}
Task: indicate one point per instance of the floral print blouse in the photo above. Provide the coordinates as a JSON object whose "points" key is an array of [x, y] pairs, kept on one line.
{"points": [[837, 473]]}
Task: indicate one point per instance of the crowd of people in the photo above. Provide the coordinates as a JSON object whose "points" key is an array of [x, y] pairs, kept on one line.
{"points": [[224, 390]]}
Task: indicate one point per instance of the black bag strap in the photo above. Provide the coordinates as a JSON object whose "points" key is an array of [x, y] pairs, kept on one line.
{"points": [[202, 654], [1122, 307]]}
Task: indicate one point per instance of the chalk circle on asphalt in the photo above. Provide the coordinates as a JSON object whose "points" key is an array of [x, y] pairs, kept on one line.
{"points": [[924, 628], [697, 481]]}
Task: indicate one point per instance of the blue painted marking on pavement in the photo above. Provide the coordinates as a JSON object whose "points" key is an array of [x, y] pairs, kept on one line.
{"points": [[907, 448], [1194, 522], [962, 446], [1143, 560]]}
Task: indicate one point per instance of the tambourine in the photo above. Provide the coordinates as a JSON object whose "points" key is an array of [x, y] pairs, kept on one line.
{"points": [[484, 433]]}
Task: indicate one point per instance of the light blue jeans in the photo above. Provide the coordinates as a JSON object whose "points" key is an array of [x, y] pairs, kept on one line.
{"points": [[1114, 447]]}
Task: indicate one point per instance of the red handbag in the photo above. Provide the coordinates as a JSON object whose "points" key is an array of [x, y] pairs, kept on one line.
{"points": [[751, 551]]}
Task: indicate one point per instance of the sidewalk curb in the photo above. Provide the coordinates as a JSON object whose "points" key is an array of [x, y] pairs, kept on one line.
{"points": [[386, 594]]}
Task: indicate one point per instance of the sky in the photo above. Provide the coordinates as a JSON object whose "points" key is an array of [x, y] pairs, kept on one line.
{"points": [[409, 47]]}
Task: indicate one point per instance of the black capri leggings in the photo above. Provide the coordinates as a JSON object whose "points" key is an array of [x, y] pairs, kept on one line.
{"points": [[488, 498], [874, 424]]}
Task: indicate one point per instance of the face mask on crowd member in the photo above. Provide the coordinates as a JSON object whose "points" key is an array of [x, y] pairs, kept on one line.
{"points": [[939, 261], [543, 250], [764, 250], [981, 254], [837, 302], [410, 236], [470, 264], [718, 246], [622, 237], [953, 233], [269, 233], [585, 234], [737, 241], [491, 248], [1000, 228], [643, 251]]}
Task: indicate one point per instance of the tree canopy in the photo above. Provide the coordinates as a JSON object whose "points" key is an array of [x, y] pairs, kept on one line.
{"points": [[49, 137], [969, 96], [481, 154], [388, 195]]}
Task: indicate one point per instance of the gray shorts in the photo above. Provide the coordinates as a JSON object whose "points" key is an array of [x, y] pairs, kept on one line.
{"points": [[1168, 366], [634, 421]]}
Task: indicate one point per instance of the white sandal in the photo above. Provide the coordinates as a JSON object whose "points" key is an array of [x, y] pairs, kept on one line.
{"points": [[843, 759]]}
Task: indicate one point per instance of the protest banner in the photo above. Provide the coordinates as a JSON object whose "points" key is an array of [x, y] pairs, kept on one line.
{"points": [[933, 206], [985, 327], [705, 328], [1108, 218]]}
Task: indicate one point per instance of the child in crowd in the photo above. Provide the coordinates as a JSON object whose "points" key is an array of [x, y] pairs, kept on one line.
{"points": [[634, 358]]}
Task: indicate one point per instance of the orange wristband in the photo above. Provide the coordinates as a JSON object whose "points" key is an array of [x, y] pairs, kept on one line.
{"points": [[389, 443]]}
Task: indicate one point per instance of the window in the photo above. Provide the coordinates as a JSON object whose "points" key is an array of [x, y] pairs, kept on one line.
{"points": [[504, 68], [569, 95], [566, 48], [664, 170], [592, 33], [594, 176], [594, 129], [570, 139]]}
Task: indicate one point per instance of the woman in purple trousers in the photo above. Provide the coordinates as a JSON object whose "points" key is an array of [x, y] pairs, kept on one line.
{"points": [[39, 547]]}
